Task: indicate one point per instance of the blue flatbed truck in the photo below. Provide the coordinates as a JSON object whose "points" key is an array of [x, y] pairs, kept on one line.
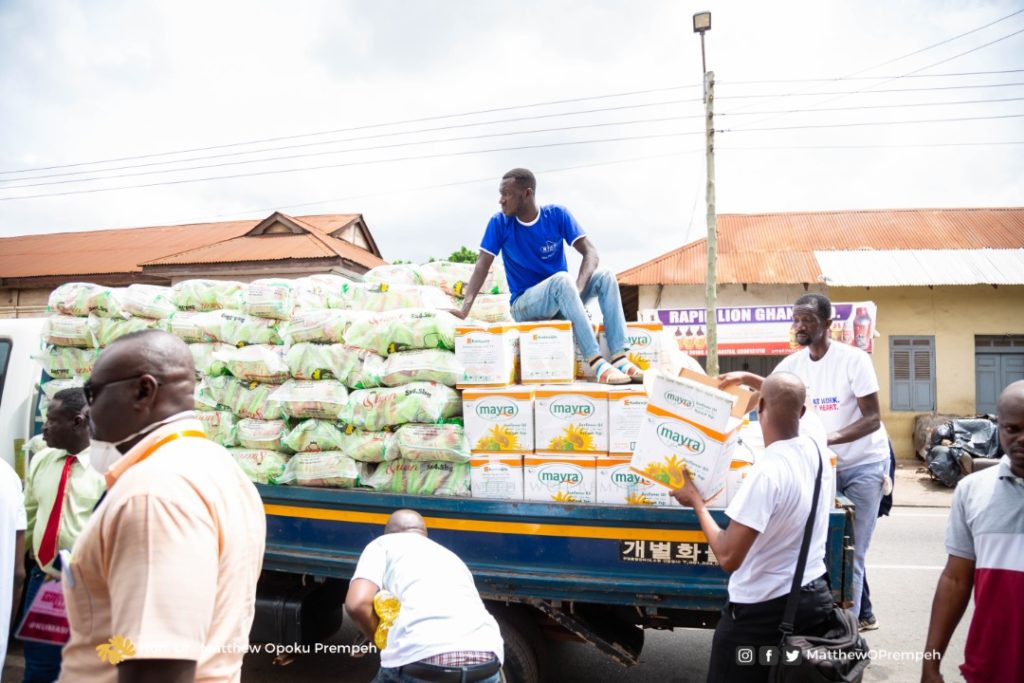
{"points": [[595, 573]]}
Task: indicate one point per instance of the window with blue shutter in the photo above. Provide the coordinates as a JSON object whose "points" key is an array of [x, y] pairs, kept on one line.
{"points": [[912, 373]]}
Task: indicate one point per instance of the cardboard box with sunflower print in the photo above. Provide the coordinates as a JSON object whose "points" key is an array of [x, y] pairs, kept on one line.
{"points": [[560, 478], [499, 419], [571, 418]]}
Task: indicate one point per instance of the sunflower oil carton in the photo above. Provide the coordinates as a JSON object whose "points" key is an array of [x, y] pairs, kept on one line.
{"points": [[626, 408], [670, 443], [560, 478], [617, 484], [496, 475], [644, 342], [499, 419], [696, 398], [487, 354], [571, 418], [547, 353]]}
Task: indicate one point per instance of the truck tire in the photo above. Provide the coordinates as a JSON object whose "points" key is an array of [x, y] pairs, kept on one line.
{"points": [[521, 665]]}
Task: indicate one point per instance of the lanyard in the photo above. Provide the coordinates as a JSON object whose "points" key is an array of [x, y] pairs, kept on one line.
{"points": [[112, 477]]}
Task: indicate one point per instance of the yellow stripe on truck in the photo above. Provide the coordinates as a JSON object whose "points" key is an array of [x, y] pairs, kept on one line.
{"points": [[522, 528]]}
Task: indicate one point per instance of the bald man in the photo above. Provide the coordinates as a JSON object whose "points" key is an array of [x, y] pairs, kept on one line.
{"points": [[443, 631], [761, 544], [161, 583], [985, 543]]}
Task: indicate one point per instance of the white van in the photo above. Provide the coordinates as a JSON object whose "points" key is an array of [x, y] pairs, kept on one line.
{"points": [[19, 375]]}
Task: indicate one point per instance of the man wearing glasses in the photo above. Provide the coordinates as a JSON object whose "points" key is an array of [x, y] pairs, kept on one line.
{"points": [[163, 577]]}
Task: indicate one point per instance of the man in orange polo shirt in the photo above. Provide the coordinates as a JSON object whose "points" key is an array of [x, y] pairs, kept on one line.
{"points": [[161, 584]]}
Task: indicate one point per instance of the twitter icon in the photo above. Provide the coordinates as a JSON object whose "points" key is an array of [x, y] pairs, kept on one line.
{"points": [[791, 655]]}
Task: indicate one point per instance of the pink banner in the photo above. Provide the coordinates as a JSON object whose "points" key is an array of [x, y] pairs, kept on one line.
{"points": [[46, 620]]}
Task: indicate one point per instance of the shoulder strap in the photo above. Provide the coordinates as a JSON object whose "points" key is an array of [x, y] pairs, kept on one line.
{"points": [[789, 616]]}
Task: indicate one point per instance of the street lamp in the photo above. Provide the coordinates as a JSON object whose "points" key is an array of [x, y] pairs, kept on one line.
{"points": [[702, 24]]}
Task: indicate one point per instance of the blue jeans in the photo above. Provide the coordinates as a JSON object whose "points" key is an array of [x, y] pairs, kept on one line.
{"points": [[557, 297], [393, 676], [42, 662], [863, 486]]}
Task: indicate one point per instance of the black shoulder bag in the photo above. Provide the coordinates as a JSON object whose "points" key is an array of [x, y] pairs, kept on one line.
{"points": [[838, 656]]}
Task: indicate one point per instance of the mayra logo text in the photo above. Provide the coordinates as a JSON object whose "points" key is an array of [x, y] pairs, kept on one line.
{"points": [[629, 480], [497, 410], [674, 438], [552, 475], [676, 399], [567, 410]]}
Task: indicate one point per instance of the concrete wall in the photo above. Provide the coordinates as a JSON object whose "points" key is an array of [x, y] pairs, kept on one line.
{"points": [[23, 303], [953, 315]]}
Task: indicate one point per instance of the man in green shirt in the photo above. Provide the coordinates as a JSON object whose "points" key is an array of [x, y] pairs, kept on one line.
{"points": [[61, 490]]}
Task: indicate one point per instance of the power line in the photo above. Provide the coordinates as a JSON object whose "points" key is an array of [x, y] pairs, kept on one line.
{"points": [[994, 143], [833, 79], [348, 164], [371, 148], [874, 106], [869, 123], [354, 128], [933, 88]]}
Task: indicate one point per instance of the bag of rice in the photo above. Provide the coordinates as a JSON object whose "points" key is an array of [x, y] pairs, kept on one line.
{"points": [[324, 468], [106, 330], [189, 326], [256, 363], [327, 326], [203, 397], [435, 478], [244, 399], [219, 426], [262, 434], [428, 365], [377, 297], [313, 435], [452, 277], [208, 295], [351, 366], [431, 442], [67, 330], [149, 301], [367, 446], [261, 466], [270, 298], [403, 330], [325, 399], [237, 329], [491, 308], [308, 296], [424, 402], [82, 298], [67, 362], [400, 274], [202, 356]]}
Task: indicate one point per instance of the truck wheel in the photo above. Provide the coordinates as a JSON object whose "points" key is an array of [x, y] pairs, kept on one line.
{"points": [[521, 664]]}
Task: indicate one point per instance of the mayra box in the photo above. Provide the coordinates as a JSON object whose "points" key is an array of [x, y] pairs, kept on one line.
{"points": [[487, 354], [496, 475], [571, 418], [643, 340], [547, 353], [626, 407], [697, 398], [618, 484], [560, 478], [669, 443], [499, 419]]}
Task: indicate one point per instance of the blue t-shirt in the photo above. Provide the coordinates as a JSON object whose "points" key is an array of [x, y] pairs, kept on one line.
{"points": [[533, 253]]}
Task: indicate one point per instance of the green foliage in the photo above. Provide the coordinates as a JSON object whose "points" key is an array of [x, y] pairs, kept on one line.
{"points": [[463, 255]]}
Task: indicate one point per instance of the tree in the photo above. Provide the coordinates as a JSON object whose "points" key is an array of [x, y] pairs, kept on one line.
{"points": [[463, 255]]}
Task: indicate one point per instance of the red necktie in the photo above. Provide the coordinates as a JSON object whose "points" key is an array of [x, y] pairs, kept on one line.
{"points": [[48, 548]]}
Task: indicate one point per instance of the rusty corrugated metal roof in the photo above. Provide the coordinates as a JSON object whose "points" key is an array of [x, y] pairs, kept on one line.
{"points": [[128, 250], [776, 248]]}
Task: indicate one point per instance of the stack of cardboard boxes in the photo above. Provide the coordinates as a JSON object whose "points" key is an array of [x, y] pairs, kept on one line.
{"points": [[538, 433]]}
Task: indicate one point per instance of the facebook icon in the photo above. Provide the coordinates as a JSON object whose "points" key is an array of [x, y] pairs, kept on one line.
{"points": [[768, 655]]}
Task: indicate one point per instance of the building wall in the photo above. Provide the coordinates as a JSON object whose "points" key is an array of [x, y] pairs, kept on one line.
{"points": [[23, 303], [953, 315]]}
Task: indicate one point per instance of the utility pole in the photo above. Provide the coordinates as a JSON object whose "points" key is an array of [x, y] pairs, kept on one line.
{"points": [[711, 292]]}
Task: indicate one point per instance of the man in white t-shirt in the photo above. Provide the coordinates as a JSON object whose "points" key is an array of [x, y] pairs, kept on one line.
{"points": [[12, 550], [442, 629], [761, 545], [843, 388]]}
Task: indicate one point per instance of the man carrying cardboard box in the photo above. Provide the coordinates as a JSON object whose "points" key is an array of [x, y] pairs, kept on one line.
{"points": [[758, 549], [531, 240]]}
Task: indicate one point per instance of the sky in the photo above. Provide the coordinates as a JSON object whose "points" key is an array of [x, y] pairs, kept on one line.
{"points": [[412, 110]]}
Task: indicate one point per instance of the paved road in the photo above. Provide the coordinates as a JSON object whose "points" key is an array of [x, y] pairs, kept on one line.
{"points": [[903, 567]]}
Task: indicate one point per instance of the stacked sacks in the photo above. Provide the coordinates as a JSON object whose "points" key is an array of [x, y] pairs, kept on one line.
{"points": [[492, 303]]}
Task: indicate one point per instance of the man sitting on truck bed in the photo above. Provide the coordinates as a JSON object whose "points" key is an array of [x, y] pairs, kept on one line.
{"points": [[531, 241], [760, 547], [443, 632]]}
